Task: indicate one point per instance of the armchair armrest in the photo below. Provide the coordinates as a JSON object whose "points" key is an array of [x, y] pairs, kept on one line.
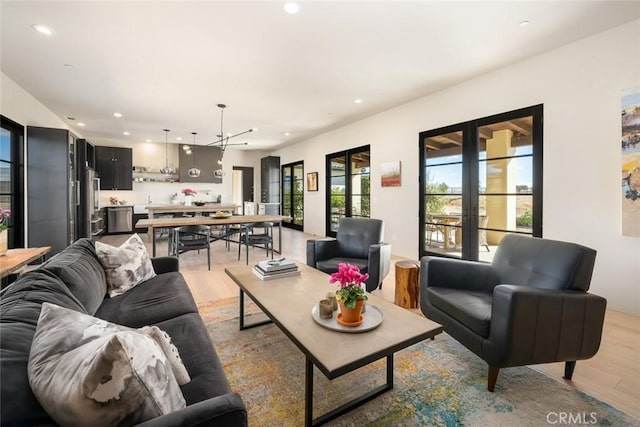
{"points": [[320, 249], [378, 265], [225, 410], [165, 264], [457, 274], [544, 325]]}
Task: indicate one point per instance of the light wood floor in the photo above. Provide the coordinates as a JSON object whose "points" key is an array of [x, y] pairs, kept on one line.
{"points": [[612, 376]]}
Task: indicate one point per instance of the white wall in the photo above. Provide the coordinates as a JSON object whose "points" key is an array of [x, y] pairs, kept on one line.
{"points": [[580, 86]]}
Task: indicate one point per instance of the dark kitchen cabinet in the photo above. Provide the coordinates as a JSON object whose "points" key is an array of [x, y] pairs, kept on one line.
{"points": [[270, 179], [115, 167], [53, 190]]}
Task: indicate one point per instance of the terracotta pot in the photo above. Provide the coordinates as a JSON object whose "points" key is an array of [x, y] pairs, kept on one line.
{"points": [[4, 237], [351, 315]]}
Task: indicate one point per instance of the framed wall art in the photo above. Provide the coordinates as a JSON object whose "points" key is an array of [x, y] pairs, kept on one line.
{"points": [[631, 162], [312, 181], [390, 174]]}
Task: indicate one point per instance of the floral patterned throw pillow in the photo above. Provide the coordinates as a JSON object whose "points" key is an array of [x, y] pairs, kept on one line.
{"points": [[125, 266], [86, 371]]}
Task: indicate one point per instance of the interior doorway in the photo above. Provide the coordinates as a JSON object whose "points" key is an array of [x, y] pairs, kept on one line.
{"points": [[242, 186]]}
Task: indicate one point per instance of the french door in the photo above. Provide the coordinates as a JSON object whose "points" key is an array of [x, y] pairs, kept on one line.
{"points": [[348, 186], [480, 180], [12, 178], [293, 194]]}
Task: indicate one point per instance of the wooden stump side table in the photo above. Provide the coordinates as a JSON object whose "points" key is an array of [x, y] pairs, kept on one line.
{"points": [[407, 293]]}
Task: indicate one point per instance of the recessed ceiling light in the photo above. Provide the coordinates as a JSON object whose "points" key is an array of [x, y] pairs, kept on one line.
{"points": [[42, 29], [523, 23], [287, 134], [254, 130], [179, 138], [357, 101], [117, 115], [148, 140], [81, 124], [291, 8], [126, 133]]}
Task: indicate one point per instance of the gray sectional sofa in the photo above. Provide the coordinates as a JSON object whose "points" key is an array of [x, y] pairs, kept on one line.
{"points": [[75, 279]]}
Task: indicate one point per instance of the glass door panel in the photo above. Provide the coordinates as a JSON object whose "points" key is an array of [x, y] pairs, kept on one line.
{"points": [[443, 190], [293, 194], [338, 200], [360, 185], [298, 195], [505, 178]]}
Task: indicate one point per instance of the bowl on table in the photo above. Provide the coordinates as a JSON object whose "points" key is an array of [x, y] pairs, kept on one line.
{"points": [[122, 202], [199, 203]]}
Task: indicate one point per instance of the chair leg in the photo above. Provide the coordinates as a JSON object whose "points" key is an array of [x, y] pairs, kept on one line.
{"points": [[493, 377], [568, 369], [209, 256]]}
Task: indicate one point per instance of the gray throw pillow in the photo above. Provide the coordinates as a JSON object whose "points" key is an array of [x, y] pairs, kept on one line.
{"points": [[125, 266], [86, 371]]}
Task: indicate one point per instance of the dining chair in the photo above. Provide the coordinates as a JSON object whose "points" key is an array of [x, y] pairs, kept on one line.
{"points": [[256, 234], [190, 238]]}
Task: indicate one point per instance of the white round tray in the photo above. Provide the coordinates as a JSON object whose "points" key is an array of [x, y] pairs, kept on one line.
{"points": [[373, 317]]}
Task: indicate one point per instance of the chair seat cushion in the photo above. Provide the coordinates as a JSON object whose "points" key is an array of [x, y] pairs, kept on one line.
{"points": [[471, 308], [331, 265]]}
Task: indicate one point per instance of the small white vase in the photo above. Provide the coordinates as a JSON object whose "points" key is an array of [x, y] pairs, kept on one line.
{"points": [[4, 240], [188, 200]]}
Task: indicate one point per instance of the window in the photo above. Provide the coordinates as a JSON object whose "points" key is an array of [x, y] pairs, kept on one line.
{"points": [[349, 186], [293, 194], [481, 180], [11, 178]]}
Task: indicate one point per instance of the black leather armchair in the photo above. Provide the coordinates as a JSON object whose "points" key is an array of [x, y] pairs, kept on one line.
{"points": [[529, 306], [358, 242]]}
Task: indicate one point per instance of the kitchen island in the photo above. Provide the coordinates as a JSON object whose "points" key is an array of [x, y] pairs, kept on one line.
{"points": [[208, 207]]}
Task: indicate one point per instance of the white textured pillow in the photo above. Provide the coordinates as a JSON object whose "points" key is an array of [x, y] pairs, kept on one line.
{"points": [[125, 266], [86, 371]]}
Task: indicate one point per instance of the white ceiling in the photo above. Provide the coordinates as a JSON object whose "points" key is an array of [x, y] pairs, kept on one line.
{"points": [[167, 64]]}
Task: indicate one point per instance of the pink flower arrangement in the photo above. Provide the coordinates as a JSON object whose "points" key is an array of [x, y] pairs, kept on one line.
{"points": [[4, 218], [189, 191], [351, 284]]}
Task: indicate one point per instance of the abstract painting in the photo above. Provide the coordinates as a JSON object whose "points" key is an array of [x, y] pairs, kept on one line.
{"points": [[390, 174], [631, 162]]}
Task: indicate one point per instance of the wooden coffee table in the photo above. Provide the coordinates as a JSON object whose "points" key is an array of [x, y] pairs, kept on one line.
{"points": [[288, 303]]}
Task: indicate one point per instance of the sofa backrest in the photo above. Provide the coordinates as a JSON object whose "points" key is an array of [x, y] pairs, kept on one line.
{"points": [[544, 263], [355, 235], [20, 305], [79, 268]]}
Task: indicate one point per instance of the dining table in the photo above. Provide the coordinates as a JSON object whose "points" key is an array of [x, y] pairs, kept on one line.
{"points": [[208, 207], [153, 223], [450, 222]]}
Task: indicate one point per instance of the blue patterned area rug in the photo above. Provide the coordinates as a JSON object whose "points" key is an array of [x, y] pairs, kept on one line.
{"points": [[436, 383]]}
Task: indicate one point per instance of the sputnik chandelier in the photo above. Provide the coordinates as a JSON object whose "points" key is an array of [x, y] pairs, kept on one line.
{"points": [[223, 142]]}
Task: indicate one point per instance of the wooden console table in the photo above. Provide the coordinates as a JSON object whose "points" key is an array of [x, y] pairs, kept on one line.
{"points": [[15, 259]]}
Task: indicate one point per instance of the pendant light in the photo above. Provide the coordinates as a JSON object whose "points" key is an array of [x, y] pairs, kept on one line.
{"points": [[194, 172], [166, 170]]}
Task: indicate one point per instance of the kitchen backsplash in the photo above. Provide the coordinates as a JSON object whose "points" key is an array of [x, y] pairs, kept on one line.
{"points": [[161, 193]]}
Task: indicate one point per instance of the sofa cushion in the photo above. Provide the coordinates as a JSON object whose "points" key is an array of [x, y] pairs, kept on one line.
{"points": [[80, 270], [189, 334], [163, 297], [20, 305], [84, 372], [125, 266], [471, 308]]}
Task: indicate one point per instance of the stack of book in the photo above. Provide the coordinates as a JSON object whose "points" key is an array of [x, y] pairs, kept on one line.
{"points": [[275, 269]]}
